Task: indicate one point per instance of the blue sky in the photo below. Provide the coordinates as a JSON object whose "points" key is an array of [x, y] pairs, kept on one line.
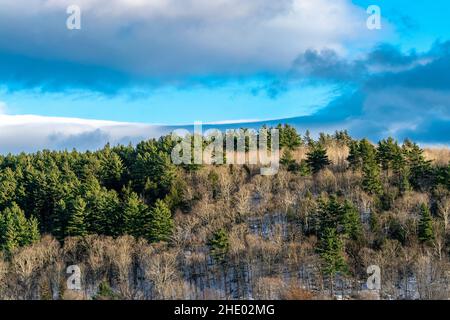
{"points": [[418, 23], [179, 61], [240, 100]]}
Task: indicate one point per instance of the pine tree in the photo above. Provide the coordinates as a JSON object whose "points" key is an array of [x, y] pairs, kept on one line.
{"points": [[401, 170], [105, 292], [351, 221], [419, 167], [76, 225], [289, 138], [289, 162], [15, 229], [387, 149], [32, 234], [317, 158], [329, 214], [374, 222], [110, 214], [371, 178], [219, 245], [367, 151], [443, 176], [308, 140], [94, 196], [153, 173], [287, 158], [341, 216], [111, 169], [342, 138], [8, 185], [103, 209], [325, 139], [135, 214], [426, 233], [60, 217], [354, 157], [8, 234], [161, 222], [332, 254], [303, 168], [371, 171]]}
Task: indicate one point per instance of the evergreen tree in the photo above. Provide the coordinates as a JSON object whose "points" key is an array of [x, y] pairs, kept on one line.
{"points": [[103, 209], [219, 245], [329, 214], [161, 222], [354, 157], [9, 237], [76, 225], [111, 169], [401, 170], [367, 151], [351, 221], [426, 234], [127, 155], [303, 168], [443, 176], [387, 150], [60, 217], [371, 178], [325, 139], [135, 214], [342, 138], [341, 216], [289, 138], [289, 162], [374, 222], [317, 158], [166, 144], [93, 193], [308, 140], [419, 167], [153, 172], [8, 185], [32, 233], [114, 191], [371, 171], [287, 158], [105, 292], [332, 254], [15, 229], [109, 216]]}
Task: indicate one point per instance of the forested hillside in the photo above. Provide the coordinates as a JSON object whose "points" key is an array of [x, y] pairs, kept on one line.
{"points": [[140, 227]]}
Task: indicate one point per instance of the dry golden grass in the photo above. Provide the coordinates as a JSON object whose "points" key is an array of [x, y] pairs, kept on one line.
{"points": [[367, 295], [295, 292], [440, 156], [73, 295], [337, 154]]}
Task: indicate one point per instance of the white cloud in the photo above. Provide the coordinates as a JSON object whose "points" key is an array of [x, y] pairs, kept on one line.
{"points": [[31, 133], [176, 38]]}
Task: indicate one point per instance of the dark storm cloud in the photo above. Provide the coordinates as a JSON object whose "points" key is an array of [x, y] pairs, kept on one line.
{"points": [[388, 92]]}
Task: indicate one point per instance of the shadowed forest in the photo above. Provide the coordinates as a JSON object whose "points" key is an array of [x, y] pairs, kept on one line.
{"points": [[140, 227]]}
